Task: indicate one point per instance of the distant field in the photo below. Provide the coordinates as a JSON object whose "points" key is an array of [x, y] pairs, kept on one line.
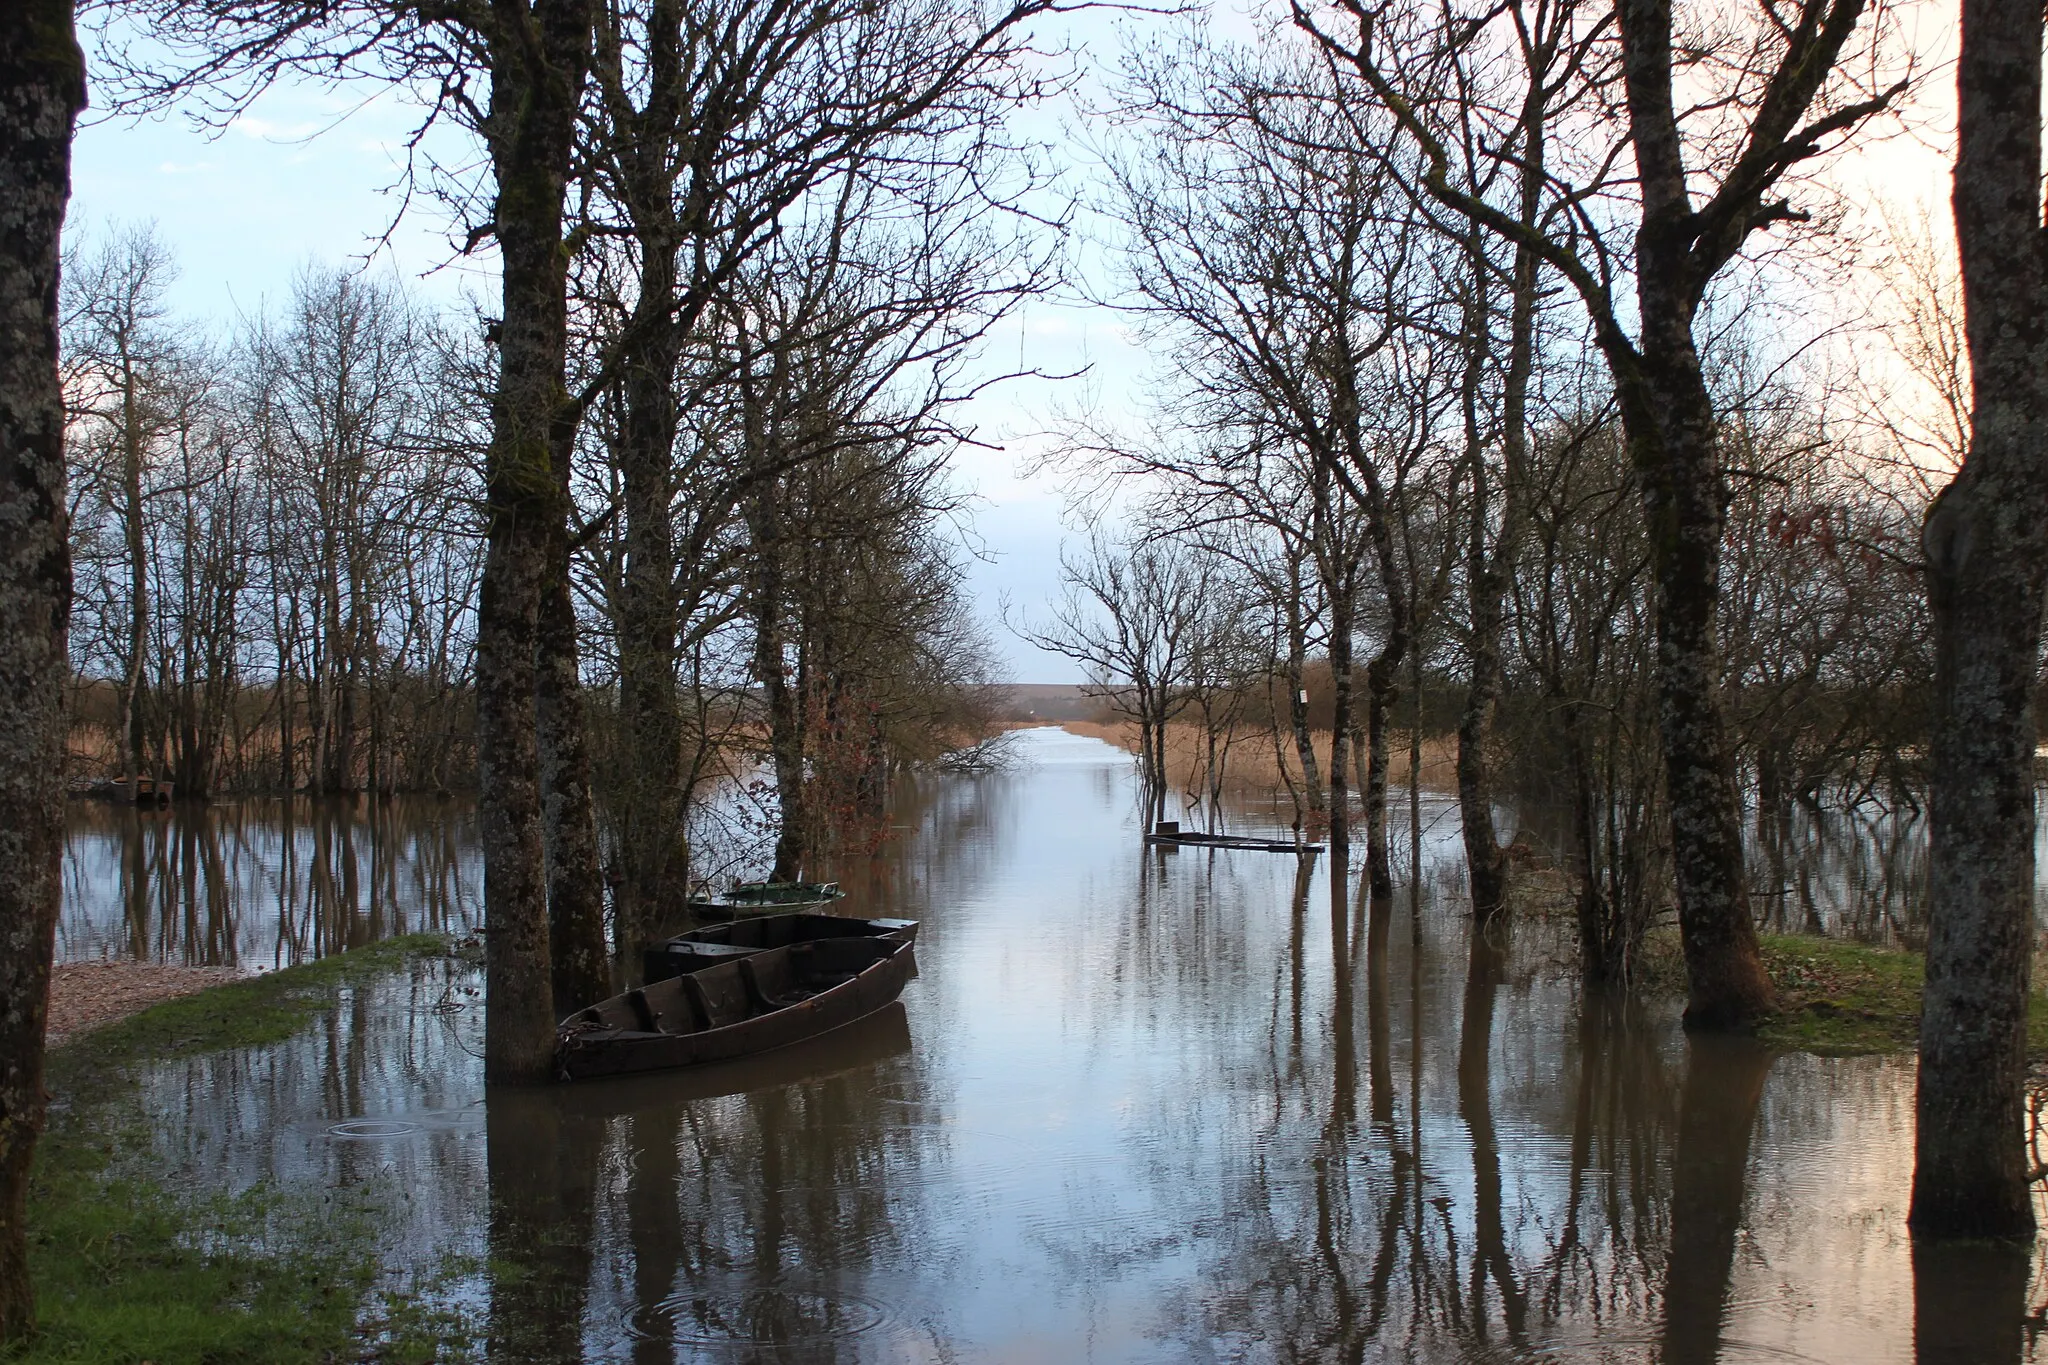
{"points": [[1050, 702]]}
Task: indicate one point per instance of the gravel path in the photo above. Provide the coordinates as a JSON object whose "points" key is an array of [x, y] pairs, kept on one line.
{"points": [[88, 995]]}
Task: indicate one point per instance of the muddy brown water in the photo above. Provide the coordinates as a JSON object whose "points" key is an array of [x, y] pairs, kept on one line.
{"points": [[1138, 1106]]}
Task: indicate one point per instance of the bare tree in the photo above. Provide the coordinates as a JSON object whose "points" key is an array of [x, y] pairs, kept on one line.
{"points": [[1270, 250], [120, 358], [1129, 616], [43, 77], [714, 127], [1783, 90]]}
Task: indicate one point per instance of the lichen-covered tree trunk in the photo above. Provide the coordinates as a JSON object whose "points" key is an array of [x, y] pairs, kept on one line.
{"points": [[579, 965], [539, 58], [1672, 440], [1986, 541], [652, 854], [42, 88]]}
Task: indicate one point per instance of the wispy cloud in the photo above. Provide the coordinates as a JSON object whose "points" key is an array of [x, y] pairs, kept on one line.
{"points": [[270, 130]]}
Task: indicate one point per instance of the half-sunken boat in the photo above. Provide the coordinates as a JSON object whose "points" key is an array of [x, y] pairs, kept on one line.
{"points": [[764, 898], [752, 1004], [743, 937], [1169, 834]]}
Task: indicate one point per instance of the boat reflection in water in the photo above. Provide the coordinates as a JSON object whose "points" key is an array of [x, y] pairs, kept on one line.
{"points": [[1160, 1106]]}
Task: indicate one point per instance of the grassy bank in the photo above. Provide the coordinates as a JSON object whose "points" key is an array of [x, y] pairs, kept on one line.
{"points": [[1837, 998], [130, 1266]]}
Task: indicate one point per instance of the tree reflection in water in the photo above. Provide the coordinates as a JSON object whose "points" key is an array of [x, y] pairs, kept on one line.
{"points": [[1724, 1080], [1164, 1107], [263, 883], [651, 1218]]}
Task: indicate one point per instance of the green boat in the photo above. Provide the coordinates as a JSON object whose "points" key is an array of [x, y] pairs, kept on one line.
{"points": [[764, 898]]}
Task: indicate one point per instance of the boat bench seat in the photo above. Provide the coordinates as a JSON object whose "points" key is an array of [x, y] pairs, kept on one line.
{"points": [[717, 996]]}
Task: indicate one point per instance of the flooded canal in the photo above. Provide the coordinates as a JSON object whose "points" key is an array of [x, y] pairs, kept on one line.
{"points": [[1138, 1106]]}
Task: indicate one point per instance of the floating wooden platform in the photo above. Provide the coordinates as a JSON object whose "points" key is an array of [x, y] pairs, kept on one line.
{"points": [[1169, 834]]}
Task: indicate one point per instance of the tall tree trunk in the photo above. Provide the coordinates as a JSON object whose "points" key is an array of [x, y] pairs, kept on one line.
{"points": [[1381, 693], [1673, 444], [42, 88], [1383, 689], [1485, 868], [771, 670], [1986, 541], [1341, 592], [580, 966], [1673, 440], [1297, 715], [136, 540], [652, 854], [539, 59], [1486, 571], [1337, 566]]}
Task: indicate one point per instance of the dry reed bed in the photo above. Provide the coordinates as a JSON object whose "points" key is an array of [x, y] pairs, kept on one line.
{"points": [[1254, 766]]}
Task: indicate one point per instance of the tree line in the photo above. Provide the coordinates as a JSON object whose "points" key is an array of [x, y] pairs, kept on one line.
{"points": [[274, 561]]}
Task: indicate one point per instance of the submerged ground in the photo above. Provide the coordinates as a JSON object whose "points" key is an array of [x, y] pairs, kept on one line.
{"points": [[1139, 1106]]}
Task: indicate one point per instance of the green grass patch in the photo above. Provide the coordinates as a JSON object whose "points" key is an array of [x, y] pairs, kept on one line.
{"points": [[1835, 998], [248, 1013], [130, 1266], [1841, 999]]}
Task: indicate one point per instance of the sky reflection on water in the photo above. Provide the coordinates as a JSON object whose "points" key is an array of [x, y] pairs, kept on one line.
{"points": [[1139, 1106]]}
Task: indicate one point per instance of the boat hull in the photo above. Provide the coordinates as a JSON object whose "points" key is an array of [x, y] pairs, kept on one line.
{"points": [[734, 1009], [765, 898], [740, 937]]}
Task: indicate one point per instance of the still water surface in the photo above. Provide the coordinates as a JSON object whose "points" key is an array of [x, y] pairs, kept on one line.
{"points": [[1139, 1106]]}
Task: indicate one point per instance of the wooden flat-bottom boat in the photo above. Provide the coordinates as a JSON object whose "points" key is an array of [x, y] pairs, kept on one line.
{"points": [[742, 937], [134, 791], [764, 898], [866, 1041], [1169, 834], [751, 1004]]}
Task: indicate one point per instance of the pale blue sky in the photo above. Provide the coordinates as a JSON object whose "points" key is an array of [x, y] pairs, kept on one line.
{"points": [[314, 176]]}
